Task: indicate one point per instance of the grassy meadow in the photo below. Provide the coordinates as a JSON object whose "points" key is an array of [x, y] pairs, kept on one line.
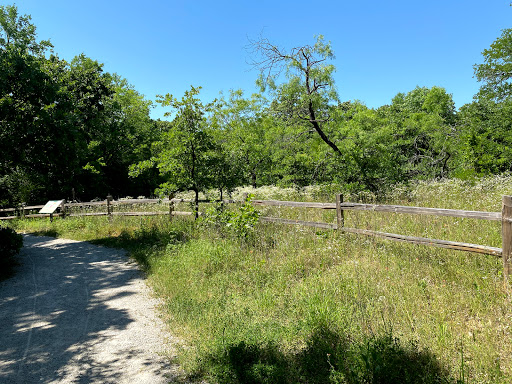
{"points": [[288, 304]]}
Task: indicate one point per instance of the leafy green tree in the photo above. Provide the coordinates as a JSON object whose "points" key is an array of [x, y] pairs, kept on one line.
{"points": [[485, 123], [369, 162], [17, 33], [26, 95], [243, 132], [185, 154], [308, 94], [496, 71], [63, 125], [485, 137], [423, 125], [124, 138]]}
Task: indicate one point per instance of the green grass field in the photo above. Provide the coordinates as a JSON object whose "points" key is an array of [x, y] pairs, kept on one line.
{"points": [[285, 304]]}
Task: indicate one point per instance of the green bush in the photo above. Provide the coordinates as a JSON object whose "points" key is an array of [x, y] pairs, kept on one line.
{"points": [[10, 245]]}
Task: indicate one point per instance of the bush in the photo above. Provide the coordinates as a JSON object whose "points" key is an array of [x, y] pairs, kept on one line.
{"points": [[10, 245]]}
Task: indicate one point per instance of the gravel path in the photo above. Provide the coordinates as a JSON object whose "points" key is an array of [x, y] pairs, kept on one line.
{"points": [[79, 313]]}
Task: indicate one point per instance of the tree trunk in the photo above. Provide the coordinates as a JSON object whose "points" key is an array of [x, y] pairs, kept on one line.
{"points": [[314, 122], [196, 204]]}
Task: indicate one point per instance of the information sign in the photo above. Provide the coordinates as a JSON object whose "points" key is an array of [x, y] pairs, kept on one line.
{"points": [[51, 206]]}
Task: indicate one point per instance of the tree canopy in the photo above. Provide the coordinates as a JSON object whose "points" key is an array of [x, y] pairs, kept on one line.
{"points": [[71, 128], [496, 71]]}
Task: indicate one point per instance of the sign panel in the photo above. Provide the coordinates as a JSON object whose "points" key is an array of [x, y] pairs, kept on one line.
{"points": [[51, 206]]}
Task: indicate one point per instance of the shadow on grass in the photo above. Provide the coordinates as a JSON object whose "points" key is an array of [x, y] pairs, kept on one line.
{"points": [[45, 232], [141, 242], [329, 357]]}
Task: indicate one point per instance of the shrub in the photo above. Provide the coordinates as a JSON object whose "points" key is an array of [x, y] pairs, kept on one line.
{"points": [[240, 223], [10, 245]]}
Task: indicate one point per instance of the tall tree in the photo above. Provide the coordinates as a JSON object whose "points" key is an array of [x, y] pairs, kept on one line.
{"points": [[242, 130], [26, 96], [485, 138], [423, 125], [310, 91], [496, 71], [186, 154], [19, 34]]}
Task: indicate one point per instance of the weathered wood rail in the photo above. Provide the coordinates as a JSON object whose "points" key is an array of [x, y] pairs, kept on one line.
{"points": [[505, 216], [24, 211]]}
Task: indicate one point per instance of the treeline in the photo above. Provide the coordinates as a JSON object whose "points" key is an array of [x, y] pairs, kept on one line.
{"points": [[71, 129]]}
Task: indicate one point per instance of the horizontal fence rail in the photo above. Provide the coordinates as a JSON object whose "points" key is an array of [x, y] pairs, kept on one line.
{"points": [[423, 211], [313, 224], [386, 208], [505, 217], [426, 241]]}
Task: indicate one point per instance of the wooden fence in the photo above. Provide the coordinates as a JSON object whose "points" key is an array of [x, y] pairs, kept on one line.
{"points": [[109, 210], [505, 217]]}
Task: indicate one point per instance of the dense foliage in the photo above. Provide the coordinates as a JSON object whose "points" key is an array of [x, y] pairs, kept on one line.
{"points": [[10, 246], [63, 126], [70, 129]]}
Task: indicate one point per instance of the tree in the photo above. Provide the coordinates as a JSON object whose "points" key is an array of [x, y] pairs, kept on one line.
{"points": [[26, 95], [185, 154], [242, 130], [63, 125], [17, 33], [496, 71], [423, 126], [486, 139], [310, 88], [127, 132]]}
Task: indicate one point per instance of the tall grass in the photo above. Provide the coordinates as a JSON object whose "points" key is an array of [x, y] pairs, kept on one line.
{"points": [[292, 304]]}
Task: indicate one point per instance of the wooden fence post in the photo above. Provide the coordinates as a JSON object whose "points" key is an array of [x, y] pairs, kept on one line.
{"points": [[340, 215], [245, 196], [171, 206], [506, 236], [109, 206]]}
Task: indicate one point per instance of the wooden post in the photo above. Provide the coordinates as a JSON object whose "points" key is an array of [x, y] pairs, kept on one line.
{"points": [[244, 197], [171, 206], [340, 215], [109, 206], [64, 209], [506, 236]]}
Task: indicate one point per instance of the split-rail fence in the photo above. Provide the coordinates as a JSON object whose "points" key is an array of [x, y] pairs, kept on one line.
{"points": [[505, 217]]}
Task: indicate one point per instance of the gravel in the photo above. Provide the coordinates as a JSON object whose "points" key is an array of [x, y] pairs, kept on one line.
{"points": [[79, 313]]}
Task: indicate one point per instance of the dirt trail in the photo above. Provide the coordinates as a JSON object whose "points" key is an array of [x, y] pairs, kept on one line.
{"points": [[79, 313]]}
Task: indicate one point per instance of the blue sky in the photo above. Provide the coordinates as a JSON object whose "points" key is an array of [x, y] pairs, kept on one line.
{"points": [[381, 47]]}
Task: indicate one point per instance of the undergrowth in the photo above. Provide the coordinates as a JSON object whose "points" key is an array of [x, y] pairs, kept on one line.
{"points": [[10, 245], [268, 303]]}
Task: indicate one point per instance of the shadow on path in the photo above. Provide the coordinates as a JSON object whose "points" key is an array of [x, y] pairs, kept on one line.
{"points": [[77, 313]]}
